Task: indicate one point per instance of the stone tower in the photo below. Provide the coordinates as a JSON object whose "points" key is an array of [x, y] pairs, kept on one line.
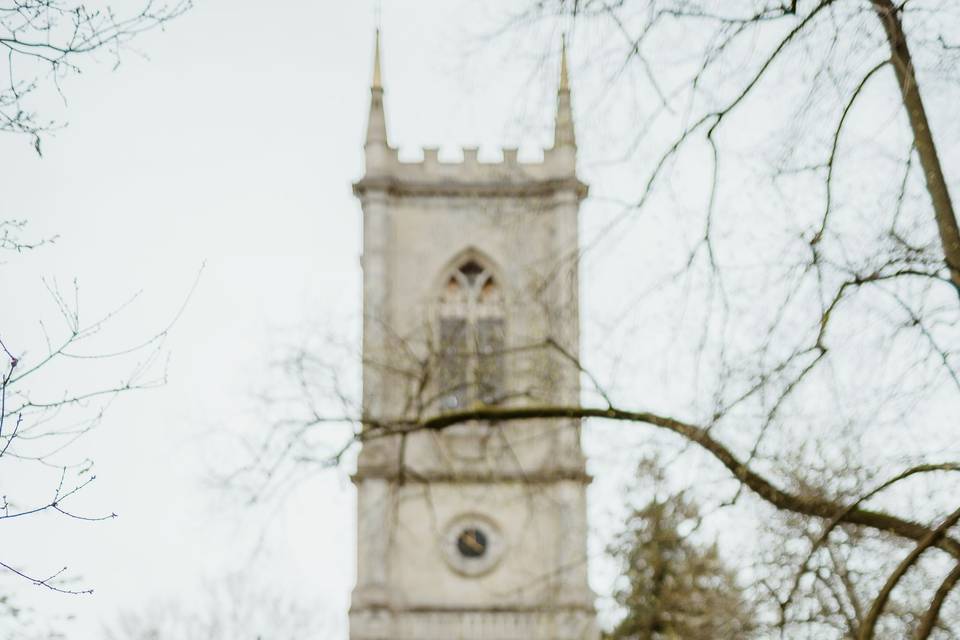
{"points": [[478, 531]]}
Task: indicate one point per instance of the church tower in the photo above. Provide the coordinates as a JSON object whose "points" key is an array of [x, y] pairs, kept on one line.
{"points": [[470, 284]]}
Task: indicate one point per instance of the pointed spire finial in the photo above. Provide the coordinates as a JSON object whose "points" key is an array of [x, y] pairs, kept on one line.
{"points": [[564, 74], [377, 147], [564, 137], [377, 79]]}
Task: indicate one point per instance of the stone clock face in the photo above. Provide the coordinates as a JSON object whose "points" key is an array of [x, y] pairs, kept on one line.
{"points": [[473, 544]]}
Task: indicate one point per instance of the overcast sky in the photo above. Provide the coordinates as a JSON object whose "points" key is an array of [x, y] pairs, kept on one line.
{"points": [[233, 143], [224, 156]]}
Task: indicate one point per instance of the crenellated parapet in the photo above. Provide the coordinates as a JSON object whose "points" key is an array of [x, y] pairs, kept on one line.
{"points": [[469, 175]]}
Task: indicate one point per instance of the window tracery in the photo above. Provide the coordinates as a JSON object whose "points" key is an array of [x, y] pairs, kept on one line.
{"points": [[471, 337]]}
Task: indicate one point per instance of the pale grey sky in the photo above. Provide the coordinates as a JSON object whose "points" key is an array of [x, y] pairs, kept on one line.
{"points": [[234, 145]]}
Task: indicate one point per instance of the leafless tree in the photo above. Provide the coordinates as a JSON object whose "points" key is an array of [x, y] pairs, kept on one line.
{"points": [[813, 307], [231, 608], [46, 41], [51, 395], [855, 274]]}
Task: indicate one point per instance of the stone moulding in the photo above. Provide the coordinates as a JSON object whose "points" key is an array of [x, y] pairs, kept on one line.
{"points": [[451, 187], [543, 624], [466, 477]]}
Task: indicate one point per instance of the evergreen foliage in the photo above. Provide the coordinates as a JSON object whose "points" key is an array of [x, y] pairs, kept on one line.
{"points": [[673, 588]]}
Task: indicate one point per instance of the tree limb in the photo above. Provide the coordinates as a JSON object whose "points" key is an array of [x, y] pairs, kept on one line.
{"points": [[929, 540], [889, 15], [810, 506]]}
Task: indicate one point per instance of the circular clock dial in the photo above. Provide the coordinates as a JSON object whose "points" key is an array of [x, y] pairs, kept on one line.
{"points": [[472, 542]]}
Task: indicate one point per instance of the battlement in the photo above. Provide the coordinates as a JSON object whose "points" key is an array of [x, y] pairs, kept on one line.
{"points": [[468, 157], [469, 174], [554, 163]]}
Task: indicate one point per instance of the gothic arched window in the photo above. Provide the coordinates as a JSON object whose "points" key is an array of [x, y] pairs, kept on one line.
{"points": [[471, 337]]}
